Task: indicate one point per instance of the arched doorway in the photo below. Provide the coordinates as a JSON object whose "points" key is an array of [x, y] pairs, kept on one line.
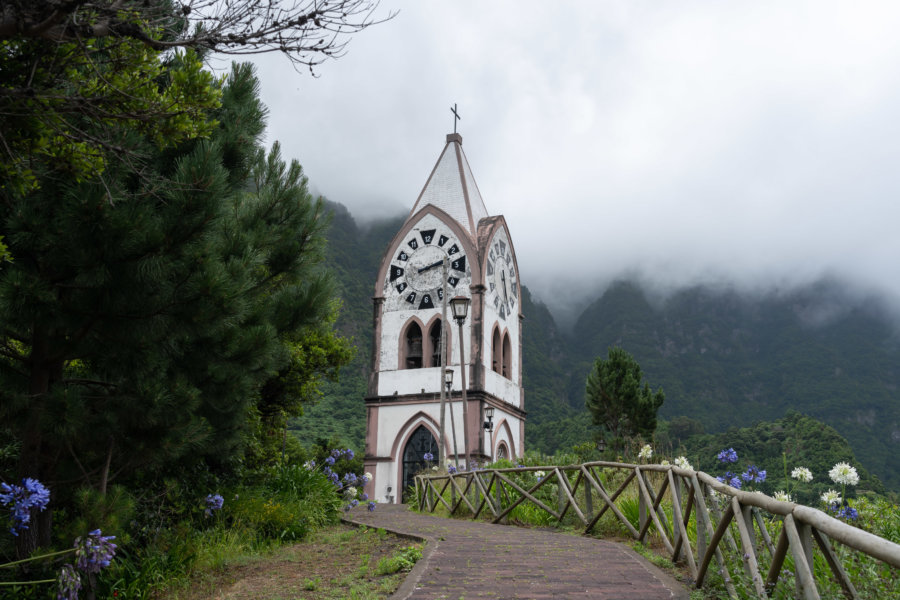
{"points": [[420, 442]]}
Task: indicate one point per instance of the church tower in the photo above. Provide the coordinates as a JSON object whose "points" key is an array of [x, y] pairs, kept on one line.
{"points": [[448, 231]]}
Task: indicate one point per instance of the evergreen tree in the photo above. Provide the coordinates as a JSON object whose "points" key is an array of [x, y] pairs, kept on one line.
{"points": [[617, 401], [143, 312]]}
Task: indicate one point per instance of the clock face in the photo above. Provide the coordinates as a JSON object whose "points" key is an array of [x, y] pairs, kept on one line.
{"points": [[417, 271], [501, 279]]}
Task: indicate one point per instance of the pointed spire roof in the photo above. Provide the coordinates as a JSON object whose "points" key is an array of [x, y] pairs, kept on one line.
{"points": [[451, 187]]}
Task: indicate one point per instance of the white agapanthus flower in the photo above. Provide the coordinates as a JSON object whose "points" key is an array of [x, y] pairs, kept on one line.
{"points": [[646, 452], [350, 491], [540, 474], [683, 463], [664, 462], [802, 474], [831, 497], [368, 476], [783, 496], [844, 474]]}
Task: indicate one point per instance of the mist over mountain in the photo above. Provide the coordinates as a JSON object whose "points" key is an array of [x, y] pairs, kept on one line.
{"points": [[726, 356]]}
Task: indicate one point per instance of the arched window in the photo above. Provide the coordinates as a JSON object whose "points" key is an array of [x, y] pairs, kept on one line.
{"points": [[420, 442], [507, 357], [434, 336], [413, 347], [496, 352], [502, 451]]}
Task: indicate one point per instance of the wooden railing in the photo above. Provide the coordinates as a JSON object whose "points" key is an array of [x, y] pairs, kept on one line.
{"points": [[696, 518]]}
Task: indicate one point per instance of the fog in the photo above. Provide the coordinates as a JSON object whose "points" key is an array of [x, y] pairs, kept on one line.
{"points": [[752, 145]]}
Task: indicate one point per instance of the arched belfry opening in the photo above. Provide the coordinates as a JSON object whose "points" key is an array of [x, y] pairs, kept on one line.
{"points": [[412, 347], [496, 351], [434, 336], [507, 357], [419, 443]]}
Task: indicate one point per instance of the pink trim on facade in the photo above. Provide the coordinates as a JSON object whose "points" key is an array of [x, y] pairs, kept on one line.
{"points": [[371, 431], [495, 439], [405, 432], [465, 238], [409, 426], [465, 188]]}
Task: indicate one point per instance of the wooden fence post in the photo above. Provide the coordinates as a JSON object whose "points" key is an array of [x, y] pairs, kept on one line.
{"points": [[588, 500]]}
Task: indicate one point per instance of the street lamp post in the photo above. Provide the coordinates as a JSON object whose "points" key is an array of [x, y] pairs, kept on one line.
{"points": [[489, 428], [448, 383], [460, 307], [444, 381]]}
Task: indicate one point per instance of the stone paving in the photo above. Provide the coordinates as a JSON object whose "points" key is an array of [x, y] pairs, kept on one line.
{"points": [[467, 560]]}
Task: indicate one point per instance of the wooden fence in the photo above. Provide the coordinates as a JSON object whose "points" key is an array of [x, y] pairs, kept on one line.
{"points": [[697, 519]]}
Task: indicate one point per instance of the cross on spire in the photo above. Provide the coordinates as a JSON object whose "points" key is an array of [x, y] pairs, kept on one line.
{"points": [[456, 116]]}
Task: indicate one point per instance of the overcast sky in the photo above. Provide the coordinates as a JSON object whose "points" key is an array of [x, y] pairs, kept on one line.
{"points": [[755, 142]]}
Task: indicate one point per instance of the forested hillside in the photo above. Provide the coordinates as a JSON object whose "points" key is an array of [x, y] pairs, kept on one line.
{"points": [[723, 358]]}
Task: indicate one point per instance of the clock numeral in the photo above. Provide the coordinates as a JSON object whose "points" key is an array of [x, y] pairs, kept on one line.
{"points": [[401, 286], [453, 250], [426, 302], [502, 247], [491, 255], [508, 258], [514, 292], [396, 272], [459, 264], [443, 240], [411, 298], [497, 249], [503, 311], [428, 235], [403, 256], [492, 286], [440, 294], [413, 243], [490, 270], [453, 281], [496, 301]]}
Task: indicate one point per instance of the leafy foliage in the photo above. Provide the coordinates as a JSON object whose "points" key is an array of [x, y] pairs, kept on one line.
{"points": [[82, 77]]}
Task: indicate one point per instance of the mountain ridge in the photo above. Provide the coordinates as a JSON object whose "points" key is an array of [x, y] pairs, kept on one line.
{"points": [[724, 357]]}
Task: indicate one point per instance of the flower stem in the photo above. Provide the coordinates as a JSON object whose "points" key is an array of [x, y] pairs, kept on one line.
{"points": [[33, 558], [26, 582]]}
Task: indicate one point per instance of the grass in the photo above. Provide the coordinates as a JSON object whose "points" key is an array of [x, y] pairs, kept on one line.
{"points": [[337, 562]]}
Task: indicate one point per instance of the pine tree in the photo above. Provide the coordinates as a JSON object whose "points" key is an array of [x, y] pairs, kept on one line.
{"points": [[144, 311], [616, 400]]}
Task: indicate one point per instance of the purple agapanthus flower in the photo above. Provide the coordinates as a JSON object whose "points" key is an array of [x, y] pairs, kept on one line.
{"points": [[94, 551], [371, 506], [68, 583], [731, 479], [214, 502], [348, 454], [727, 456], [31, 494], [329, 461], [336, 453], [451, 469], [364, 497], [350, 478], [428, 456], [847, 512], [754, 475]]}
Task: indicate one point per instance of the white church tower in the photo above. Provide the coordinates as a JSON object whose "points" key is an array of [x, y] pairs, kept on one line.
{"points": [[448, 225]]}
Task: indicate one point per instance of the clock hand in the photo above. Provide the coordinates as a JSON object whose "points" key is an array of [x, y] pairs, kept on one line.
{"points": [[431, 266], [505, 295]]}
